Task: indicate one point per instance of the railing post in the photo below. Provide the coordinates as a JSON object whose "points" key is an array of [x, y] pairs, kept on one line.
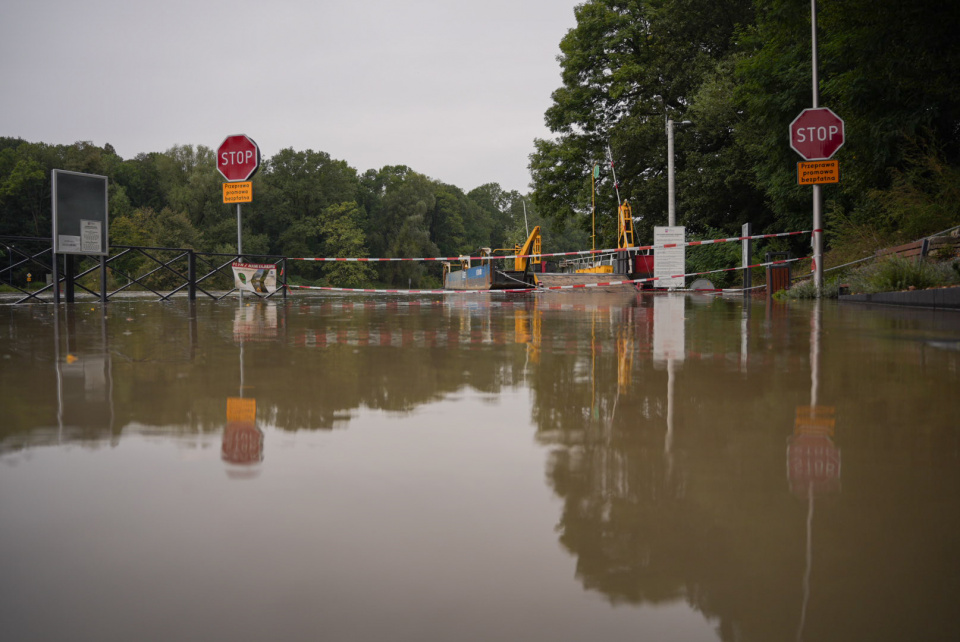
{"points": [[745, 254], [55, 269], [192, 275], [103, 279], [284, 277]]}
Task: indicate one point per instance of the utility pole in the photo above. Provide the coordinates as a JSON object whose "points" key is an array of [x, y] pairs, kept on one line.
{"points": [[671, 181]]}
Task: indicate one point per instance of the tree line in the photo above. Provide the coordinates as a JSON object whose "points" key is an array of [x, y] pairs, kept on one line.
{"points": [[306, 204], [740, 71]]}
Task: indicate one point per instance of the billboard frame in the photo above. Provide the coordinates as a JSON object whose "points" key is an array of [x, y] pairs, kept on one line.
{"points": [[80, 226]]}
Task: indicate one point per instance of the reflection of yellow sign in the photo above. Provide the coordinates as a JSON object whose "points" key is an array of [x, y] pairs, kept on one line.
{"points": [[818, 172], [238, 192], [241, 409], [815, 420]]}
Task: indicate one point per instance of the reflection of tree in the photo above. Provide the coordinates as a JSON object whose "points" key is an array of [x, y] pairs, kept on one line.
{"points": [[173, 365], [716, 524]]}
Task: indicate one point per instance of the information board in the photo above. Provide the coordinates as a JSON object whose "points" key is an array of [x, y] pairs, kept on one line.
{"points": [[80, 219], [669, 261]]}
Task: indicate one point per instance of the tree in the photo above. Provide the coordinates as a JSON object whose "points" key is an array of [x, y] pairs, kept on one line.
{"points": [[343, 237], [295, 186], [627, 67], [888, 69]]}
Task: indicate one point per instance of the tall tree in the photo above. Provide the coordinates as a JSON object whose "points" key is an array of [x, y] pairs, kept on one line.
{"points": [[627, 67]]}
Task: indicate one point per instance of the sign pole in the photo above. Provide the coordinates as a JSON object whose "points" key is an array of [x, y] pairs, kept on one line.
{"points": [[240, 258], [817, 214], [239, 235]]}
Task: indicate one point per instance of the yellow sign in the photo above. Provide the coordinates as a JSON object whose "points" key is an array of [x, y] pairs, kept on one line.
{"points": [[241, 409], [817, 172], [238, 192]]}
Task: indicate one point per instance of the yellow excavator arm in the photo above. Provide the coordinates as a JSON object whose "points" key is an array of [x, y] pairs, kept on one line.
{"points": [[532, 246], [625, 237]]}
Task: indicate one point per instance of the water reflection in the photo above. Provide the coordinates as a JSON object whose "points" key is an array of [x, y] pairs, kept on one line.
{"points": [[242, 443], [690, 446], [84, 382]]}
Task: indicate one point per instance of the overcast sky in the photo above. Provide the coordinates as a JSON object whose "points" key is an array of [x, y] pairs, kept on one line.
{"points": [[455, 89]]}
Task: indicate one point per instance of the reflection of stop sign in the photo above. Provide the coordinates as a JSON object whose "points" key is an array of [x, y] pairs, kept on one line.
{"points": [[242, 443], [238, 157], [813, 464], [816, 134]]}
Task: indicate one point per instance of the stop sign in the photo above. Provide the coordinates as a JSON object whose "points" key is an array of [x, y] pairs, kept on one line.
{"points": [[816, 134], [238, 157]]}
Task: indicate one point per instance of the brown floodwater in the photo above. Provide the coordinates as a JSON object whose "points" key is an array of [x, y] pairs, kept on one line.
{"points": [[564, 466]]}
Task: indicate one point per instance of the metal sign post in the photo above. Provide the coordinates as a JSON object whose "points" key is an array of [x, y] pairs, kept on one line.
{"points": [[238, 158], [817, 201]]}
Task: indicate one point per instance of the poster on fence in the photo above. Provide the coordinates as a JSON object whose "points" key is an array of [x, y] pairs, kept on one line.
{"points": [[255, 277]]}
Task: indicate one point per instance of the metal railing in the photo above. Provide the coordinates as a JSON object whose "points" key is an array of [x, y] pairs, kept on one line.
{"points": [[163, 271]]}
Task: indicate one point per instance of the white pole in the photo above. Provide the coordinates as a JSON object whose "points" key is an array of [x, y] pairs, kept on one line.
{"points": [[817, 201], [671, 203], [525, 224]]}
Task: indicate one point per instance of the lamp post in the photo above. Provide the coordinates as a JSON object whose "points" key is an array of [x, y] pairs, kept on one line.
{"points": [[671, 188]]}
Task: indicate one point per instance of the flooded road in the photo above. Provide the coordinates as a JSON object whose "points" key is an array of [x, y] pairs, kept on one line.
{"points": [[568, 466]]}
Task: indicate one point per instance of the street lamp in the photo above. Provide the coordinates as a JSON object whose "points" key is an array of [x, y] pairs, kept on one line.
{"points": [[671, 188]]}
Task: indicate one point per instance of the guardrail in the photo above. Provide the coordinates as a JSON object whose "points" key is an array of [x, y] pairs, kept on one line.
{"points": [[163, 271]]}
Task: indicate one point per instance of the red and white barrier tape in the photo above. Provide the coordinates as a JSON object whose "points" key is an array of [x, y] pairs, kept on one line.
{"points": [[578, 286], [376, 291], [577, 253]]}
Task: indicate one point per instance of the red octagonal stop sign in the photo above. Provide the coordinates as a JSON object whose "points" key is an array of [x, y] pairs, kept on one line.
{"points": [[816, 134], [238, 157]]}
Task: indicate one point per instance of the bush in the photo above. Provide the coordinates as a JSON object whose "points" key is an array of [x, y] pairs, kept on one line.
{"points": [[895, 274]]}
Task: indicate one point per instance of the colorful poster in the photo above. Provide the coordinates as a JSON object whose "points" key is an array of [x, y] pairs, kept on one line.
{"points": [[260, 278]]}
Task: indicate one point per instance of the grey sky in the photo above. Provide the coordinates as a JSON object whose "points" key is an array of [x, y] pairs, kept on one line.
{"points": [[455, 89]]}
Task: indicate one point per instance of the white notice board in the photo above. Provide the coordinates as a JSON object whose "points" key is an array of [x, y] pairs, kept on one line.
{"points": [[669, 261]]}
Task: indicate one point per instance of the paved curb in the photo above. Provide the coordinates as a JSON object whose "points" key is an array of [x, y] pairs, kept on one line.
{"points": [[939, 298]]}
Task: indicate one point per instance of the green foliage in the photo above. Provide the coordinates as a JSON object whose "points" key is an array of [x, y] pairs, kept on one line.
{"points": [[741, 72], [343, 237], [894, 274], [628, 66], [306, 204], [716, 256]]}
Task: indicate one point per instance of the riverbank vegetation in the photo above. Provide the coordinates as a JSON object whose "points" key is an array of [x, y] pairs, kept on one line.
{"points": [[738, 70]]}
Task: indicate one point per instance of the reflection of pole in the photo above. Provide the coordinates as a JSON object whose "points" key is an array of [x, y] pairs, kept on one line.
{"points": [[239, 245], [815, 322], [241, 367], [809, 568], [56, 360], [108, 365], [668, 441], [815, 325], [744, 335]]}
